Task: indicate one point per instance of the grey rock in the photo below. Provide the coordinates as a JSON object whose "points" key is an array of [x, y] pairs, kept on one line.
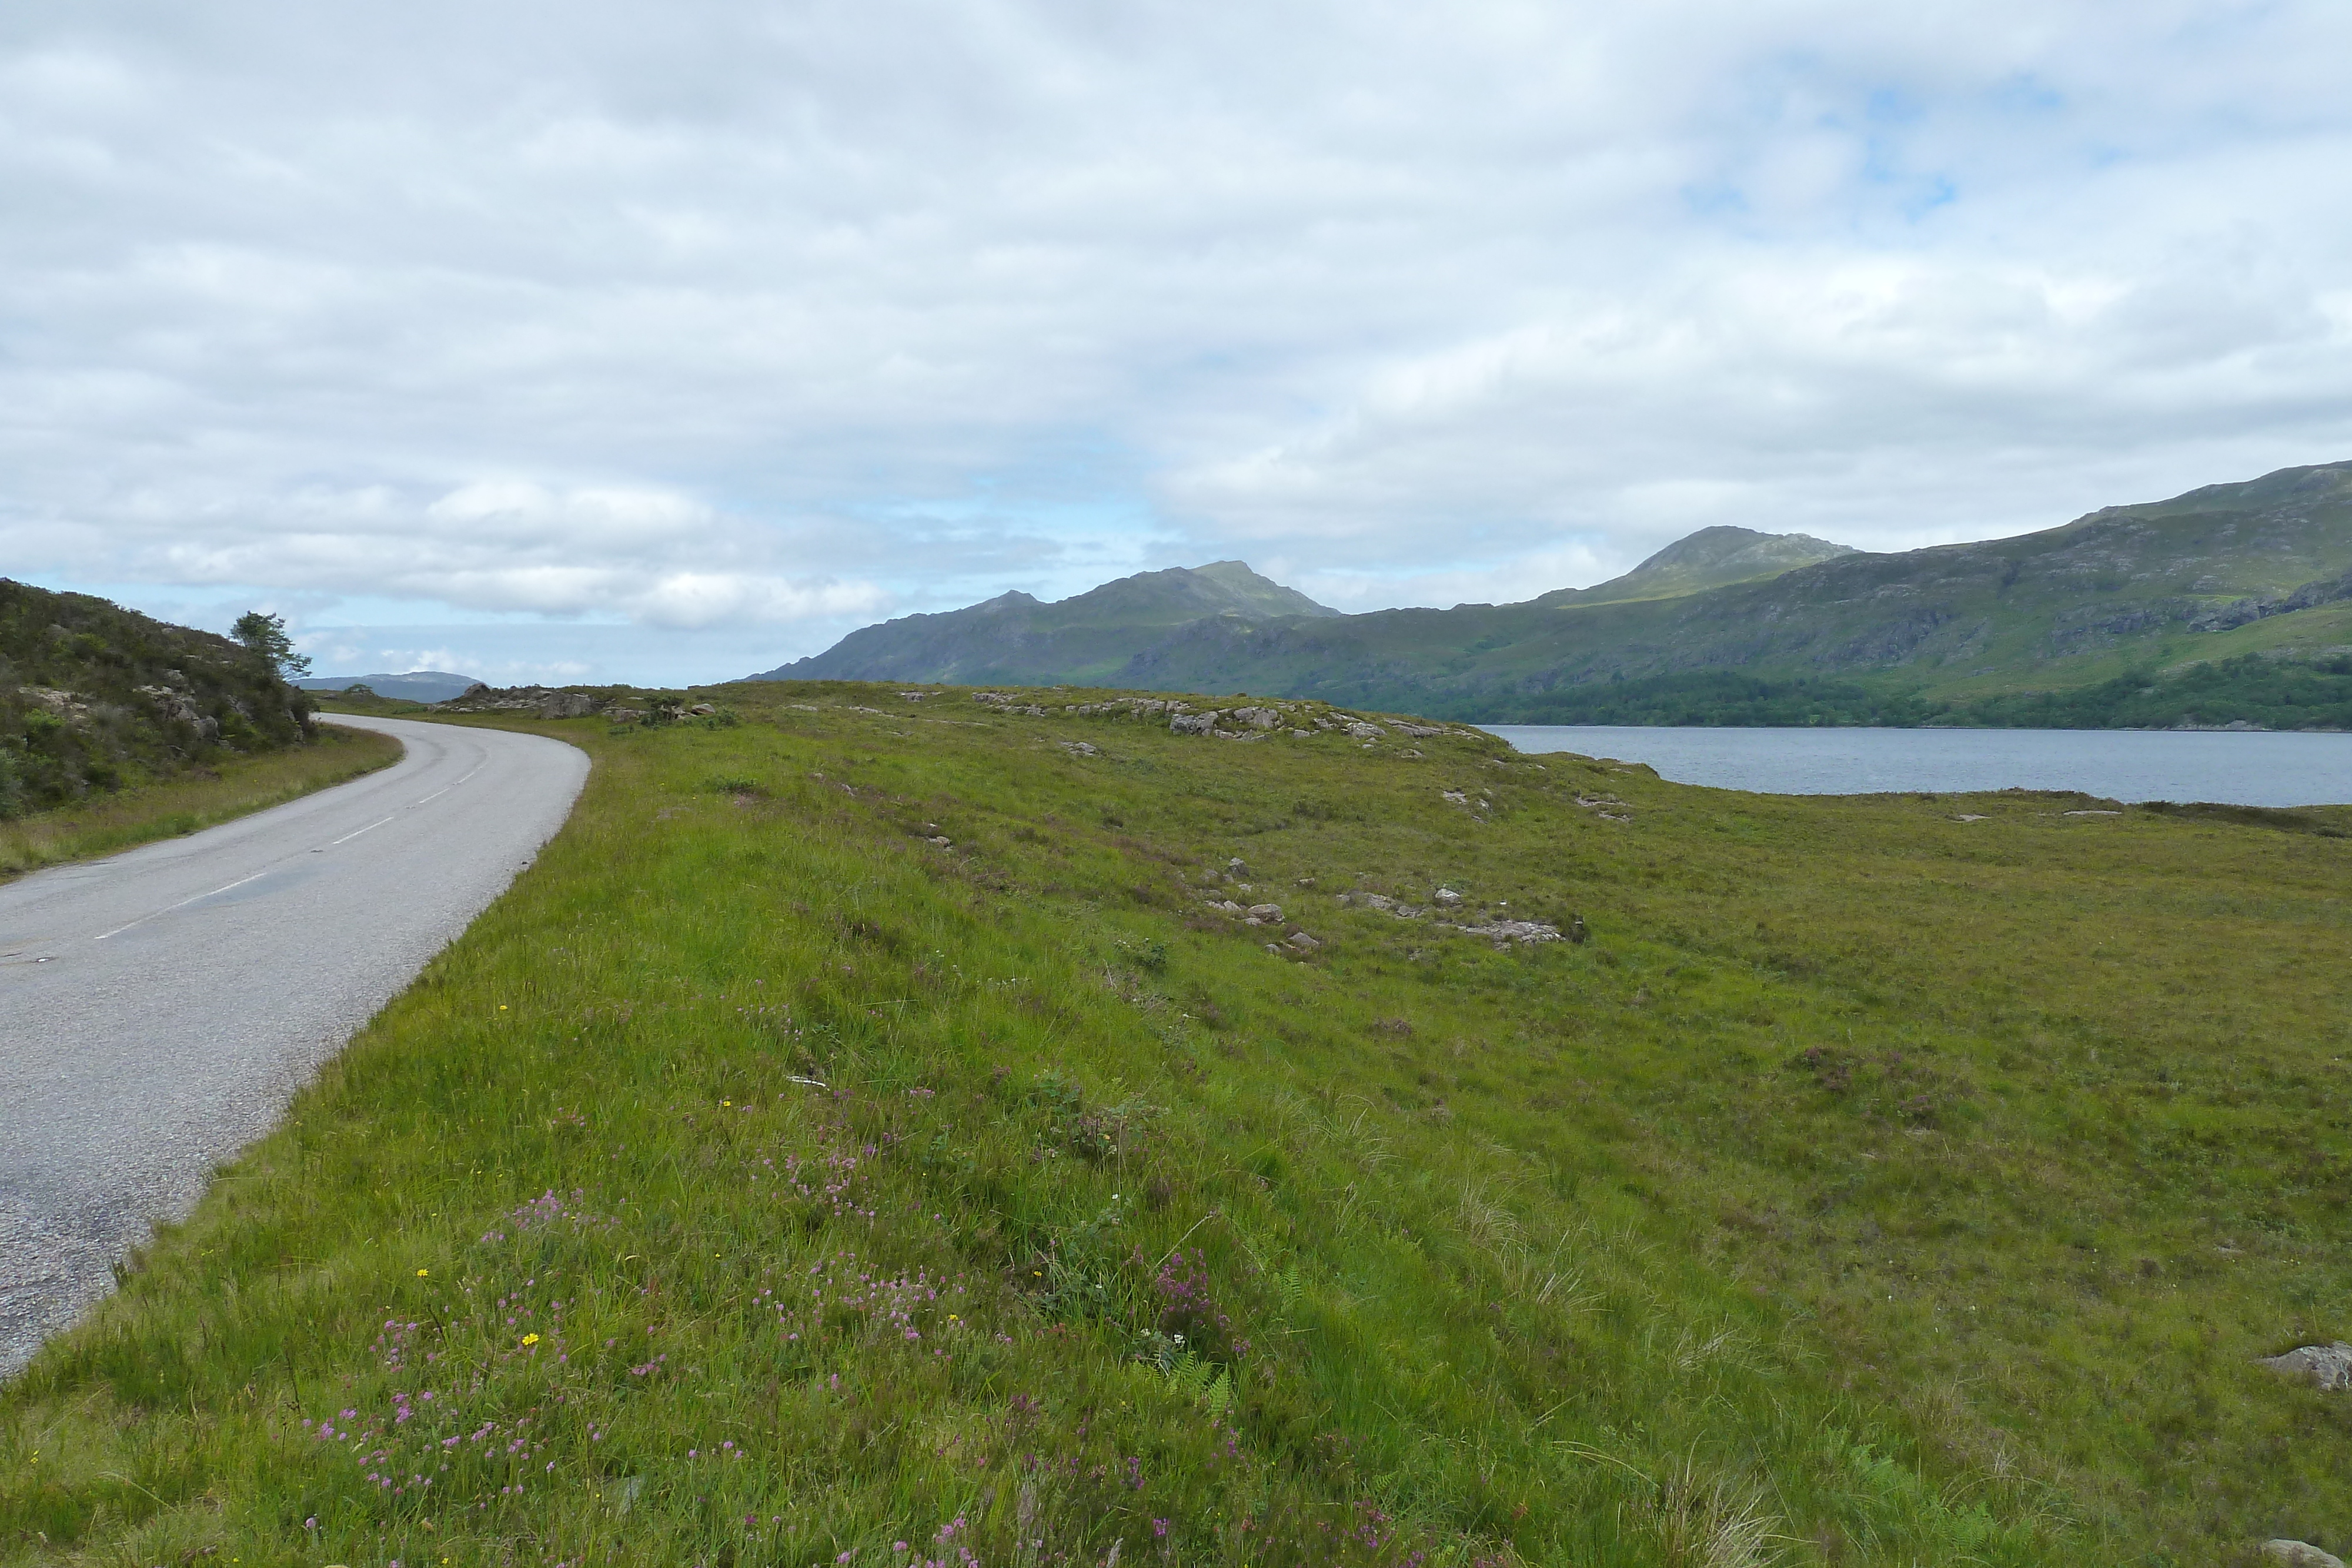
{"points": [[1303, 942], [1456, 796], [1270, 912], [1446, 896], [566, 705], [1194, 723], [1363, 731], [702, 710], [2327, 1365], [2300, 1554], [1079, 748]]}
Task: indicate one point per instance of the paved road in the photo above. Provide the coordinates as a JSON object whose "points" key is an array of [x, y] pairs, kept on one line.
{"points": [[158, 1009]]}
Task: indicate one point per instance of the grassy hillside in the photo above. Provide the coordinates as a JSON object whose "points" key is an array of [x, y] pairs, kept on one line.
{"points": [[94, 696], [190, 800], [858, 1139]]}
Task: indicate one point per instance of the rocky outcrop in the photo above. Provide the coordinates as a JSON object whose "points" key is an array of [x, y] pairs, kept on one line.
{"points": [[2299, 1554], [2325, 1366]]}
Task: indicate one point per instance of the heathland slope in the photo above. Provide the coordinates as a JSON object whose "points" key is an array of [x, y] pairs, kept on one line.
{"points": [[878, 1130], [93, 696]]}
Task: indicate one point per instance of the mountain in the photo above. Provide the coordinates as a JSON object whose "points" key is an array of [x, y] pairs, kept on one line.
{"points": [[416, 685], [1013, 639], [1711, 557], [2227, 570], [93, 696], [1730, 626]]}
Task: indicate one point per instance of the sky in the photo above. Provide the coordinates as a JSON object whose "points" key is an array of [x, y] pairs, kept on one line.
{"points": [[668, 342]]}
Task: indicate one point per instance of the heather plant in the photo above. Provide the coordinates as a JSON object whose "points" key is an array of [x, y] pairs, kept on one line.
{"points": [[914, 1161]]}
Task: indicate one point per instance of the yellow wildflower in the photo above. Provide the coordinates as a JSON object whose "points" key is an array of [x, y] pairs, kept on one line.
{"points": [[531, 1339]]}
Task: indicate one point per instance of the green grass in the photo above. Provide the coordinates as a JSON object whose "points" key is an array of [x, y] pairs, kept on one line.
{"points": [[1871, 1188], [234, 786]]}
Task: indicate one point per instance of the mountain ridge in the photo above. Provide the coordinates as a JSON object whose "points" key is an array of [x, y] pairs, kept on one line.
{"points": [[2243, 565]]}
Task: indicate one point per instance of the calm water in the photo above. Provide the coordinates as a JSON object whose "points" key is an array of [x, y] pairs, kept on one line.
{"points": [[2241, 769]]}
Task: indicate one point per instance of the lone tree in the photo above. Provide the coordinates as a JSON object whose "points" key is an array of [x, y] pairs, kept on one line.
{"points": [[266, 635]]}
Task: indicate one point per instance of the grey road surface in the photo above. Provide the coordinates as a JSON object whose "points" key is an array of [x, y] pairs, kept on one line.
{"points": [[159, 1008]]}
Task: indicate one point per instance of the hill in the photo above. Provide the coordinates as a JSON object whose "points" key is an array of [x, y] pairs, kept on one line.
{"points": [[1711, 557], [1020, 1127], [415, 686], [1014, 638], [94, 696], [2126, 600]]}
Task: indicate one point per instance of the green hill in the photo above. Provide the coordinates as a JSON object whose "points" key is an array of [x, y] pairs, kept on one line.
{"points": [[94, 696]]}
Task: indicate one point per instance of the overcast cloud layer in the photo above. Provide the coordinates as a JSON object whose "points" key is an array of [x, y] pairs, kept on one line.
{"points": [[669, 341]]}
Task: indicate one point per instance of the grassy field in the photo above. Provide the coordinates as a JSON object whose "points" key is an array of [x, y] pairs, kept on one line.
{"points": [[858, 1140], [107, 824]]}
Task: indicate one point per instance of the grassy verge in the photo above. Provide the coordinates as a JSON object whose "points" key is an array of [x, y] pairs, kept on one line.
{"points": [[858, 1140], [105, 824]]}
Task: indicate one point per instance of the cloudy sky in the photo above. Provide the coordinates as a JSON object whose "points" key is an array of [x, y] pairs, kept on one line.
{"points": [[669, 341]]}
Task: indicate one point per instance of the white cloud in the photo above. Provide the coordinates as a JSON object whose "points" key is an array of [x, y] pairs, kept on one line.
{"points": [[726, 320]]}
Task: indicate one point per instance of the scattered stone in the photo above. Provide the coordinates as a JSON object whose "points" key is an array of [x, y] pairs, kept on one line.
{"points": [[2300, 1554], [2090, 814], [1302, 735], [1275, 948], [1303, 942], [1364, 731], [1970, 817], [2326, 1365], [1446, 896], [1269, 913], [702, 710], [941, 841], [1257, 718], [1457, 797], [566, 705], [1079, 748], [1422, 731], [914, 696], [1503, 932], [1194, 723]]}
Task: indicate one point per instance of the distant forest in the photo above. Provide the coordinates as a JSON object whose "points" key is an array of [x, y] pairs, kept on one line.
{"points": [[2275, 693]]}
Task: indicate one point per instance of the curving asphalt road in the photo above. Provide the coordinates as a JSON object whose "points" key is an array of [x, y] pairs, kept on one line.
{"points": [[159, 1008]]}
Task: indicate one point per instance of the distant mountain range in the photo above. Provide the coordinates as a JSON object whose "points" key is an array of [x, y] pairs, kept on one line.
{"points": [[1726, 625], [1103, 636], [416, 685]]}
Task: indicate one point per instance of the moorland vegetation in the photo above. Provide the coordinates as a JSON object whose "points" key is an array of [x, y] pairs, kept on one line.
{"points": [[94, 697], [888, 1128]]}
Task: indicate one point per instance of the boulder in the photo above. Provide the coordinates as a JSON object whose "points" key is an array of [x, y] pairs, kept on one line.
{"points": [[1194, 723], [566, 705], [1303, 942], [2327, 1365], [2300, 1554], [1446, 896], [1271, 912]]}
